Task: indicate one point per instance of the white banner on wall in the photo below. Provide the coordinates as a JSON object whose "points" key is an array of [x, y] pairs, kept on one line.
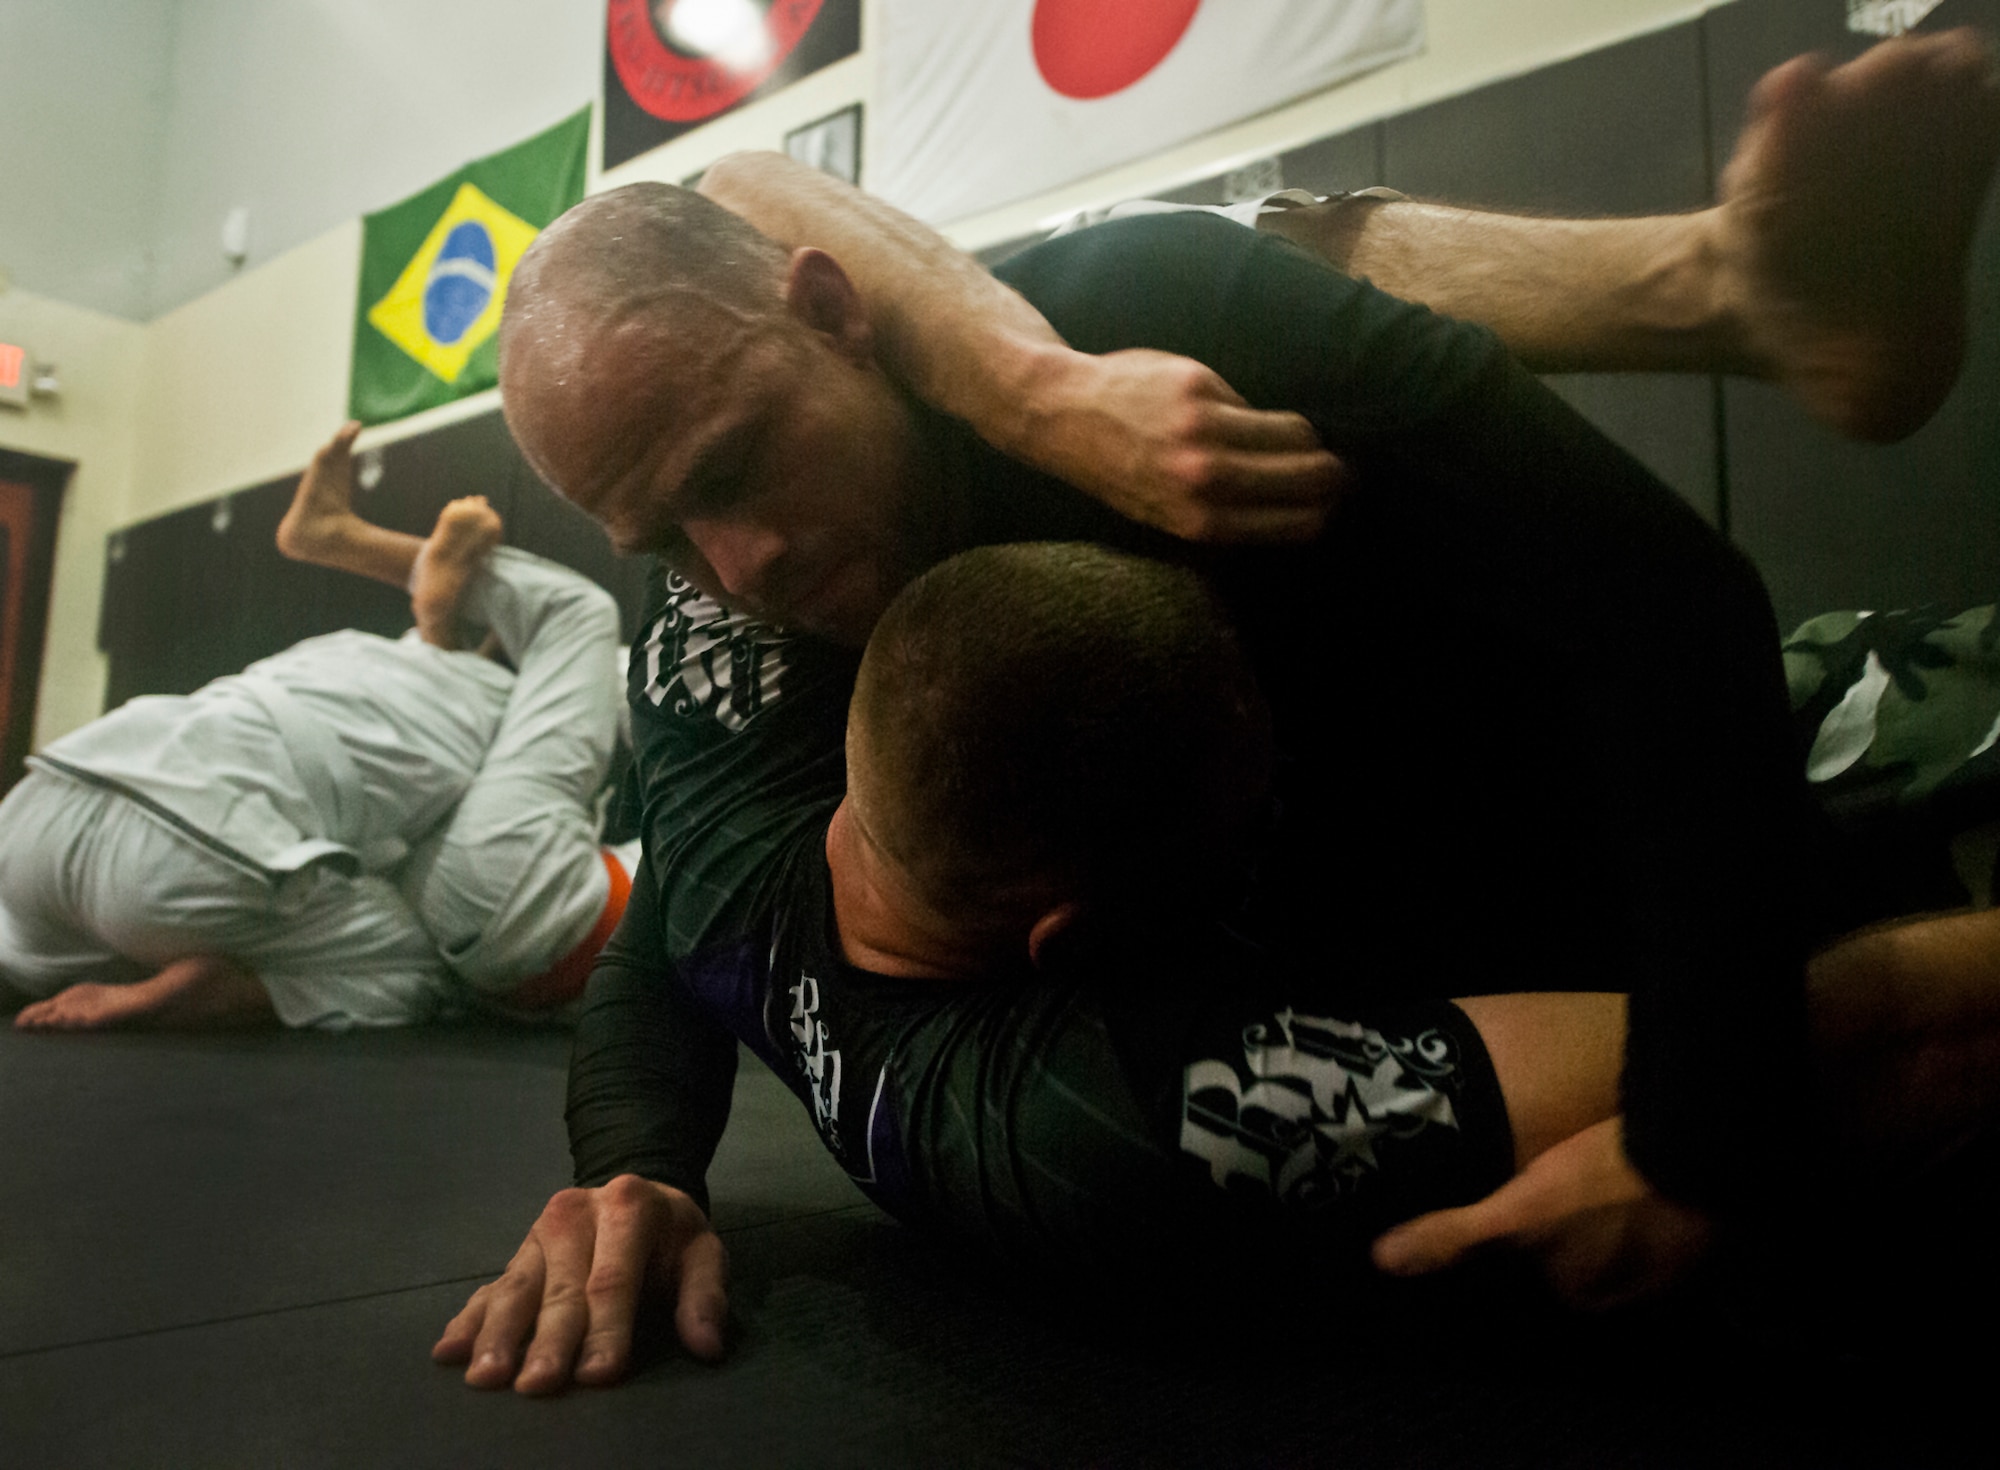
{"points": [[983, 102]]}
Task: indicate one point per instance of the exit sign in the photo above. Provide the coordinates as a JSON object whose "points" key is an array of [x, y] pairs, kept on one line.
{"points": [[16, 369]]}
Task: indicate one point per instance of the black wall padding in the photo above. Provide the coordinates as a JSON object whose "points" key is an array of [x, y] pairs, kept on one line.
{"points": [[174, 595], [202, 591], [1336, 165]]}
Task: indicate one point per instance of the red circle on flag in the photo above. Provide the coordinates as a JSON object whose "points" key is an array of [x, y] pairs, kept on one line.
{"points": [[677, 87], [1092, 48]]}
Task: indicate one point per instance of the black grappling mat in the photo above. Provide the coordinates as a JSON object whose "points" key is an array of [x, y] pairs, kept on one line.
{"points": [[236, 1251]]}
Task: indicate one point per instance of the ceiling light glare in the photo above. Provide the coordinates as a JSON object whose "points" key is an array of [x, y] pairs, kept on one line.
{"points": [[730, 33]]}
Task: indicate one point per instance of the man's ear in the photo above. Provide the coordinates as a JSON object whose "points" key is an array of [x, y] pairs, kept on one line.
{"points": [[818, 293], [1054, 934]]}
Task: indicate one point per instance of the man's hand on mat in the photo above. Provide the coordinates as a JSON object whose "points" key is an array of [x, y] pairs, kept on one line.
{"points": [[563, 1311], [1163, 440], [1603, 1235]]}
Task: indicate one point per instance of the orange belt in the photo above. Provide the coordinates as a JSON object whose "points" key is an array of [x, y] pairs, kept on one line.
{"points": [[564, 980]]}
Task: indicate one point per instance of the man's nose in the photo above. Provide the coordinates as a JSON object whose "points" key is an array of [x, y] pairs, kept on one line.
{"points": [[741, 555]]}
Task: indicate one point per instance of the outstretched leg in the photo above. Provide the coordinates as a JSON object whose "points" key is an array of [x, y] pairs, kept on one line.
{"points": [[1833, 262], [321, 527]]}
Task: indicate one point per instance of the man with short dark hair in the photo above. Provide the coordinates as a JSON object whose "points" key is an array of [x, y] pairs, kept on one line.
{"points": [[1089, 732]]}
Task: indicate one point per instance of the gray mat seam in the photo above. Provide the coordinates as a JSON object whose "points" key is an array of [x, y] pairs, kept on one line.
{"points": [[201, 1322], [335, 1301]]}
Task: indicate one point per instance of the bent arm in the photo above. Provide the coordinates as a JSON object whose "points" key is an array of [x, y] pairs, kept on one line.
{"points": [[950, 332], [651, 1074], [649, 1093], [1159, 438]]}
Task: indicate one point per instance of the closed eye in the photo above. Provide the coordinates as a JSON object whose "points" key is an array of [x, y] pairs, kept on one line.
{"points": [[670, 544], [717, 480]]}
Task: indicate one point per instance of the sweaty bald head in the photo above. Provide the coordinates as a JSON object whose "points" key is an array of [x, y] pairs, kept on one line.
{"points": [[629, 290]]}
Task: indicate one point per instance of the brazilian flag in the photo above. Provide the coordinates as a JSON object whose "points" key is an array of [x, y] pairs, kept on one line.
{"points": [[434, 273]]}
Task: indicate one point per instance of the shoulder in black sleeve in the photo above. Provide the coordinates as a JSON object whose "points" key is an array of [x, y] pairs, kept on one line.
{"points": [[738, 733]]}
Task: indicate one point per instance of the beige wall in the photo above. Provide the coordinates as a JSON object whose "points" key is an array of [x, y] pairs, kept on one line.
{"points": [[239, 385], [91, 423]]}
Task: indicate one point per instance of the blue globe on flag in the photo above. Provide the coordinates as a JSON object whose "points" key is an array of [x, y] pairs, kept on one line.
{"points": [[461, 283], [446, 303]]}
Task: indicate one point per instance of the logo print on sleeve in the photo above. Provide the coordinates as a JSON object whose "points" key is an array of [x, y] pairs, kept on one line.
{"points": [[1301, 1114], [701, 658], [818, 1063]]}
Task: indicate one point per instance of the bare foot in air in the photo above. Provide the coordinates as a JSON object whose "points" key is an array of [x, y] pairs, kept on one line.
{"points": [[1844, 221], [321, 523], [467, 531]]}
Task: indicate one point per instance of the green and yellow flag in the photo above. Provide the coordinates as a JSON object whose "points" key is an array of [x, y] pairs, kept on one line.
{"points": [[434, 273]]}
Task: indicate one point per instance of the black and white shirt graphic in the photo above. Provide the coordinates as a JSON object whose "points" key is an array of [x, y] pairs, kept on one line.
{"points": [[1304, 1111], [700, 657], [819, 1064]]}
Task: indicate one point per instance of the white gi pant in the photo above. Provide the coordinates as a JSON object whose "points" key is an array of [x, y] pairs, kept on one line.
{"points": [[99, 884], [94, 886]]}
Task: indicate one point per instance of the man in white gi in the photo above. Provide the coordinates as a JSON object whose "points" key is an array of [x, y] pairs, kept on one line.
{"points": [[357, 831]]}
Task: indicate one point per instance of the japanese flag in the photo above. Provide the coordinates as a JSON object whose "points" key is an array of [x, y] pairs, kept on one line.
{"points": [[982, 102]]}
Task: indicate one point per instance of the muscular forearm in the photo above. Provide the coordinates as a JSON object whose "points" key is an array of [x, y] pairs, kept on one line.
{"points": [[1160, 439], [650, 1074]]}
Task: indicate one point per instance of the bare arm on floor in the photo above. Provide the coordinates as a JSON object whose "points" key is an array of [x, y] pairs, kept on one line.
{"points": [[1904, 1022]]}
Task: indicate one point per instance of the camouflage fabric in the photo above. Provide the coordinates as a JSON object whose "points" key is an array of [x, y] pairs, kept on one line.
{"points": [[1898, 714]]}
